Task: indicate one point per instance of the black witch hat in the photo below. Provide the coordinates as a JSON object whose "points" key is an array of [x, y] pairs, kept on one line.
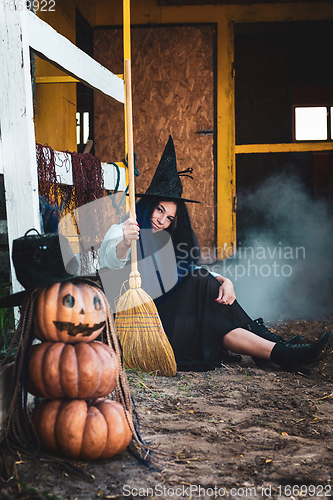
{"points": [[40, 260], [166, 183]]}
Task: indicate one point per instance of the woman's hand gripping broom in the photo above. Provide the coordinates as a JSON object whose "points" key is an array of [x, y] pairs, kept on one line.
{"points": [[140, 330]]}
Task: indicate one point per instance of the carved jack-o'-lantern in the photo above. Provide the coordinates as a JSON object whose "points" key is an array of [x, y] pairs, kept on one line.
{"points": [[70, 312], [98, 429]]}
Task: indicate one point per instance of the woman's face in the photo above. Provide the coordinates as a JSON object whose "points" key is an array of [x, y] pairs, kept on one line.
{"points": [[163, 215]]}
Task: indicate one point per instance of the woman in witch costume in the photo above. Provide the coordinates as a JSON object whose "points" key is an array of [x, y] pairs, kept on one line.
{"points": [[199, 311]]}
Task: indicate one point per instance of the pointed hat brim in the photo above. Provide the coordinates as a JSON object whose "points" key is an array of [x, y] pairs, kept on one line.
{"points": [[165, 197]]}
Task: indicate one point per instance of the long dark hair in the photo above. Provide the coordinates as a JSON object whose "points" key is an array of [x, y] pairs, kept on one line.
{"points": [[184, 240]]}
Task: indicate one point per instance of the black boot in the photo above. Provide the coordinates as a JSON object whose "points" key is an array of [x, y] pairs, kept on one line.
{"points": [[257, 326], [291, 357]]}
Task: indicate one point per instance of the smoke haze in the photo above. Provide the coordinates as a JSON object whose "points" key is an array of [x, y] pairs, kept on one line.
{"points": [[283, 266]]}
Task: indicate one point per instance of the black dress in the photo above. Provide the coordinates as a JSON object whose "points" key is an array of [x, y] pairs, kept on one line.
{"points": [[196, 324], [193, 321]]}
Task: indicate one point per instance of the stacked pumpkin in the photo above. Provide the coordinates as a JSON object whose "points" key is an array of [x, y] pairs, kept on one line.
{"points": [[74, 372]]}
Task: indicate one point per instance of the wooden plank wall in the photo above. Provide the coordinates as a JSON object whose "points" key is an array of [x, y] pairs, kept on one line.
{"points": [[172, 73]]}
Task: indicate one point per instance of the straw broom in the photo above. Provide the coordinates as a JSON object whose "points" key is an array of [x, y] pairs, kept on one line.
{"points": [[140, 330]]}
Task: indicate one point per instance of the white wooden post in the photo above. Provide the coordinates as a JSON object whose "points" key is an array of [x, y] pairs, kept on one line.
{"points": [[17, 130], [1, 159], [19, 30]]}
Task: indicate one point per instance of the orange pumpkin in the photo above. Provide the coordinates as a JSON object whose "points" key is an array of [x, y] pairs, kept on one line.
{"points": [[80, 371], [80, 430], [70, 312]]}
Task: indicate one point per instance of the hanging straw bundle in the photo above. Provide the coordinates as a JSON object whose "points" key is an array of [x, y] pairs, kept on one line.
{"points": [[140, 330]]}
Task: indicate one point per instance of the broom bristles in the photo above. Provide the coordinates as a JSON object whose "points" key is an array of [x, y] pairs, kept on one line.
{"points": [[141, 334]]}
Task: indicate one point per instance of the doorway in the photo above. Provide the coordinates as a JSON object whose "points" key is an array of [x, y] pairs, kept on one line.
{"points": [[280, 66], [173, 87]]}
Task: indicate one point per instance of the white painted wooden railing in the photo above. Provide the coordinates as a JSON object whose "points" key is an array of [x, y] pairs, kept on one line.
{"points": [[64, 172]]}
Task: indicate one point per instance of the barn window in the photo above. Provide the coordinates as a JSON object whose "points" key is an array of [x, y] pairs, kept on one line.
{"points": [[313, 123], [82, 128], [78, 128], [85, 127]]}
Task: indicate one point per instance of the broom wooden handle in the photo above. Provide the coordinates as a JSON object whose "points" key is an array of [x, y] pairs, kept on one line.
{"points": [[130, 159]]}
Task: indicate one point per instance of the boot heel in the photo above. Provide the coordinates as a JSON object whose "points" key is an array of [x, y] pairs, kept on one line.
{"points": [[291, 357]]}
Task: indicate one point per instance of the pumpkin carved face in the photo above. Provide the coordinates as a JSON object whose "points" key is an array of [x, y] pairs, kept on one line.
{"points": [[70, 313], [78, 429]]}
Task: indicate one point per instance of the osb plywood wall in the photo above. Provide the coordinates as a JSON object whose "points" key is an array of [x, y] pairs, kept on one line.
{"points": [[172, 87]]}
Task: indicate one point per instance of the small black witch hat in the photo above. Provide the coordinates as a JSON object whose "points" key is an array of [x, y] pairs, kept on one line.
{"points": [[40, 260], [166, 183]]}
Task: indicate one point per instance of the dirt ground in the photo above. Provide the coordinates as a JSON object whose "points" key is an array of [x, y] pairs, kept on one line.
{"points": [[237, 432]]}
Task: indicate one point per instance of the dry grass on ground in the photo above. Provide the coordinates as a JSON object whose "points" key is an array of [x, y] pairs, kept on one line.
{"points": [[238, 431]]}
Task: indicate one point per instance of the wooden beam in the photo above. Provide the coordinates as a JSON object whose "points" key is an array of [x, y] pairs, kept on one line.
{"points": [[56, 79], [149, 11], [62, 79], [58, 50], [283, 148], [226, 184]]}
